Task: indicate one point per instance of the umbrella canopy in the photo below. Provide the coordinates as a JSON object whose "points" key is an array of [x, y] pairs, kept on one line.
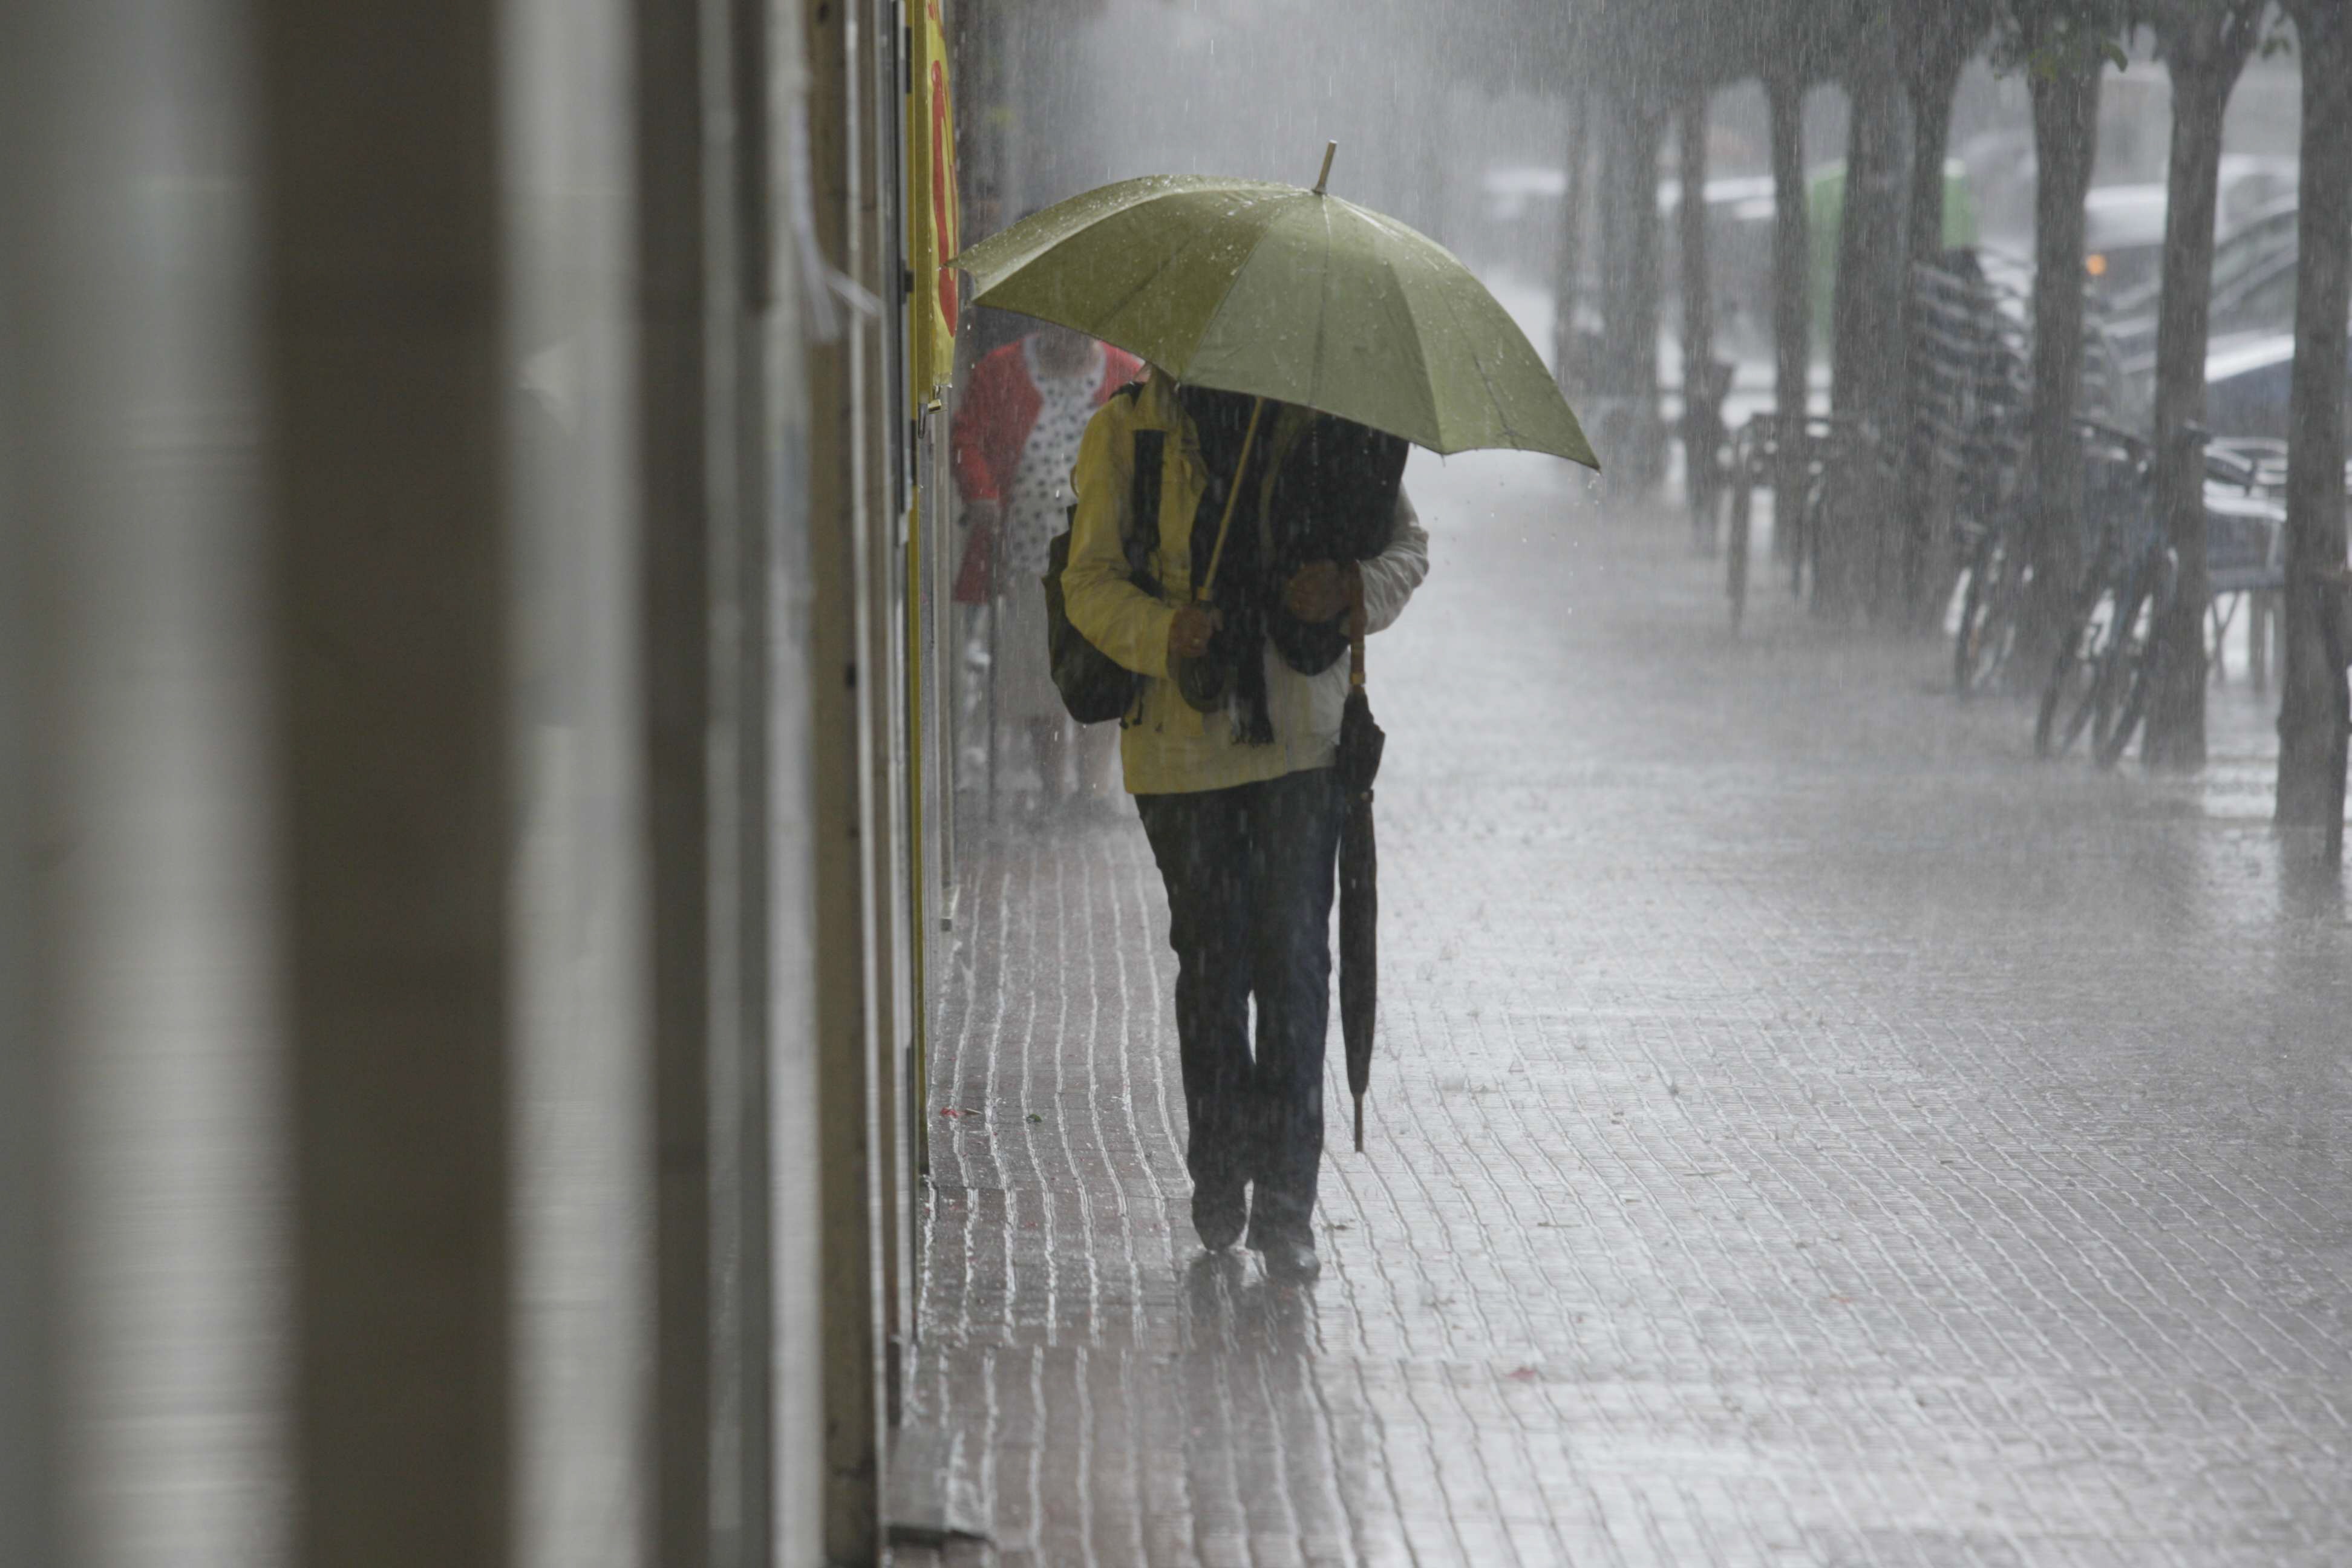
{"points": [[1287, 294]]}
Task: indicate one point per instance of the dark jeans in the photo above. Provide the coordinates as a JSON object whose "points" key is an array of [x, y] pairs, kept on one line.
{"points": [[1249, 873]]}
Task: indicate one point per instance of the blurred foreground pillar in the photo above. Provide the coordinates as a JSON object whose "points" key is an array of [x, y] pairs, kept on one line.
{"points": [[842, 799], [136, 1166], [378, 161], [45, 444]]}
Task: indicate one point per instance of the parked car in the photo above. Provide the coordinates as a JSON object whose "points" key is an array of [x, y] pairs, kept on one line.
{"points": [[2252, 185], [2262, 301], [2263, 236], [1515, 224], [2247, 382], [2245, 260], [2249, 332], [2122, 237], [2249, 344]]}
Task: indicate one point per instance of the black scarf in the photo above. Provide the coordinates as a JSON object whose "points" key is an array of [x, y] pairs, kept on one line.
{"points": [[1334, 499]]}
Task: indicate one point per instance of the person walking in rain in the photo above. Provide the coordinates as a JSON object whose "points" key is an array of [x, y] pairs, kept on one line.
{"points": [[1229, 748], [1014, 438]]}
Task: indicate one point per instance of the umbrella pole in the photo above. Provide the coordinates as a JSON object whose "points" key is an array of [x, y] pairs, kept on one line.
{"points": [[1225, 524]]}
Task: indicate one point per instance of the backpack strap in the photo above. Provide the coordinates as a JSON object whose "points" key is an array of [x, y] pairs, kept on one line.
{"points": [[1142, 536]]}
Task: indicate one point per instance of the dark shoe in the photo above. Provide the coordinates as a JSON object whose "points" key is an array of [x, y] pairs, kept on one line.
{"points": [[1289, 1262], [1218, 1214]]}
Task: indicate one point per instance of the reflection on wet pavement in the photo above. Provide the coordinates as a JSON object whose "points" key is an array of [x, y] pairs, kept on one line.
{"points": [[1805, 1130]]}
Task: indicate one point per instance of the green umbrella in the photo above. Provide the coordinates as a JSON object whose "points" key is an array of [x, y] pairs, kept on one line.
{"points": [[1286, 294], [1301, 297]]}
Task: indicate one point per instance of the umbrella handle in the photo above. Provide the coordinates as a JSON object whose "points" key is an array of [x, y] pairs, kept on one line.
{"points": [[1356, 628], [1225, 526]]}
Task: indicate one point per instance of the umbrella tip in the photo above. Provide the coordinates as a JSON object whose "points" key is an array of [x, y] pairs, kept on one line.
{"points": [[1330, 149], [1359, 1124]]}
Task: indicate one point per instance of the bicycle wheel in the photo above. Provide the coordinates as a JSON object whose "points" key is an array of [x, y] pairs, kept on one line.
{"points": [[2139, 654], [2126, 632], [2068, 689], [1987, 628], [2074, 689]]}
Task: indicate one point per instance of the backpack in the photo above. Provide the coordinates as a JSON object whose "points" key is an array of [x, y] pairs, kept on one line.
{"points": [[1095, 686]]}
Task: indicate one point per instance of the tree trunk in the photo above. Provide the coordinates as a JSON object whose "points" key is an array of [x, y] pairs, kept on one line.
{"points": [[1866, 350], [1702, 420], [1604, 377], [2065, 142], [1568, 278], [2203, 78], [2312, 717], [1930, 86], [1792, 324], [1645, 294], [1626, 382]]}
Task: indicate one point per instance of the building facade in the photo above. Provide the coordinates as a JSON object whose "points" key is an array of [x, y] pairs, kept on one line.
{"points": [[478, 773]]}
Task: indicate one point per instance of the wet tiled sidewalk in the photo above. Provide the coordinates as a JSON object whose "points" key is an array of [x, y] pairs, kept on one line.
{"points": [[1805, 1130]]}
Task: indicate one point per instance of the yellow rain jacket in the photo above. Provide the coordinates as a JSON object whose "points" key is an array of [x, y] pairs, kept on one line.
{"points": [[1168, 748]]}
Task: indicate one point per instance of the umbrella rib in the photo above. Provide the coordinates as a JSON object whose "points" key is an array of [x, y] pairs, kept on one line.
{"points": [[1428, 384], [1184, 184], [1173, 257], [1412, 315], [1479, 362], [1323, 310]]}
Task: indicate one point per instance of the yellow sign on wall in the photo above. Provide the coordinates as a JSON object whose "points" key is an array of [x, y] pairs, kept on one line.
{"points": [[932, 215]]}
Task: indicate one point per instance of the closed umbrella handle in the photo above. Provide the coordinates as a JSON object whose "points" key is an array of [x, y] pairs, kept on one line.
{"points": [[1356, 627]]}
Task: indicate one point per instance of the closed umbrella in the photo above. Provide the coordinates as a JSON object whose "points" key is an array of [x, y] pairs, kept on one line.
{"points": [[1361, 742]]}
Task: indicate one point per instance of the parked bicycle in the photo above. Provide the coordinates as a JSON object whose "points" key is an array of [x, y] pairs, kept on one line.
{"points": [[1832, 449], [1991, 537], [2116, 647], [1992, 596], [2106, 623]]}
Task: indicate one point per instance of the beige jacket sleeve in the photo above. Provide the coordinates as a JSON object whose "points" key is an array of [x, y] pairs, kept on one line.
{"points": [[1390, 577], [1108, 611]]}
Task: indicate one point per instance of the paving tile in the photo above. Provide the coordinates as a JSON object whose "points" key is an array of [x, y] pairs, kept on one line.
{"points": [[1805, 1130]]}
